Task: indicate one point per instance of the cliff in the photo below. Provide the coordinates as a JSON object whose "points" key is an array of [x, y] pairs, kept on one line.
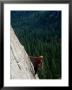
{"points": [[21, 66]]}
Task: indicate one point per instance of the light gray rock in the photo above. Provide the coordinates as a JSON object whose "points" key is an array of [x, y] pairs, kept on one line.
{"points": [[21, 66]]}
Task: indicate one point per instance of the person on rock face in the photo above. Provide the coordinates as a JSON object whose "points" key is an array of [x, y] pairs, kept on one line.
{"points": [[37, 62]]}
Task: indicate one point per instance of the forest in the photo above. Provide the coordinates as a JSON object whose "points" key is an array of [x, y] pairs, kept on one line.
{"points": [[40, 34]]}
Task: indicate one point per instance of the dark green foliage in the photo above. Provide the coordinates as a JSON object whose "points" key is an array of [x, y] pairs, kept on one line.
{"points": [[40, 33]]}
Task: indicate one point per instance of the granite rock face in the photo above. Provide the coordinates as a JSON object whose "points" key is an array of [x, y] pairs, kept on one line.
{"points": [[21, 66]]}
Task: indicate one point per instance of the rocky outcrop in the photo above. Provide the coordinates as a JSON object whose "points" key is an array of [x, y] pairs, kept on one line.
{"points": [[21, 66]]}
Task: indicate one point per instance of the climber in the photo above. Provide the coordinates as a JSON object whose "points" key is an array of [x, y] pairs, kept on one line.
{"points": [[37, 62]]}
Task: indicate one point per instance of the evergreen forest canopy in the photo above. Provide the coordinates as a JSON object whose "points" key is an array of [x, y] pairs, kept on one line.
{"points": [[40, 33]]}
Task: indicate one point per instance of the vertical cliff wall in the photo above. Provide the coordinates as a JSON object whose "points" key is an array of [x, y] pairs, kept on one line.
{"points": [[21, 66]]}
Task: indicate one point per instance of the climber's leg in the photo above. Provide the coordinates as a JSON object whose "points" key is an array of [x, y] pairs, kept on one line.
{"points": [[36, 68]]}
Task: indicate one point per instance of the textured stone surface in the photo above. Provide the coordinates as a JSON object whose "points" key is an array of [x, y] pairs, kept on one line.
{"points": [[20, 64]]}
